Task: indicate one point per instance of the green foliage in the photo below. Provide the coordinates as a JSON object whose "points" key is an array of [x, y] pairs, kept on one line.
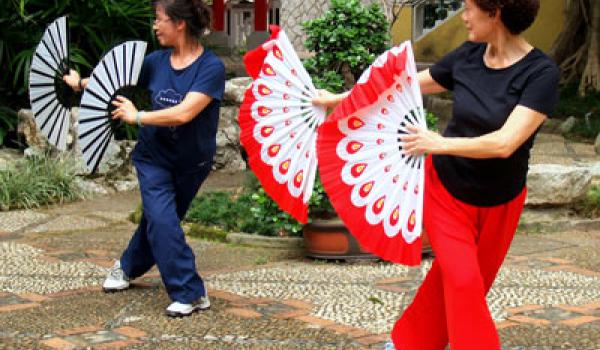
{"points": [[586, 109], [219, 209], [95, 26], [37, 181], [253, 211], [8, 119], [349, 36], [136, 215], [590, 205], [431, 120], [266, 218], [261, 260], [571, 103], [319, 206], [208, 233]]}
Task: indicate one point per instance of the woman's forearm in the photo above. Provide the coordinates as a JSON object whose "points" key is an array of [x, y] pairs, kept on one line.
{"points": [[502, 143], [492, 145], [172, 116]]}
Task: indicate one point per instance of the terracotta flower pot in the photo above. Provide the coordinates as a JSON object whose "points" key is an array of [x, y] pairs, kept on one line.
{"points": [[330, 239]]}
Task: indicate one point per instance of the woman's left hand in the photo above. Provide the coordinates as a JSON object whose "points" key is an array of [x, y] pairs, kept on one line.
{"points": [[420, 141], [125, 110]]}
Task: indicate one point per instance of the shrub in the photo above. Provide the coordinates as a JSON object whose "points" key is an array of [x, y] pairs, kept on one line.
{"points": [[251, 211], [345, 40], [266, 218], [218, 208], [37, 181]]}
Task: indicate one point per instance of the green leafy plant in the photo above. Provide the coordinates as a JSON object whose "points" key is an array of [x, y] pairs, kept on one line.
{"points": [[266, 218], [37, 181], [218, 208], [345, 40], [431, 120], [251, 211]]}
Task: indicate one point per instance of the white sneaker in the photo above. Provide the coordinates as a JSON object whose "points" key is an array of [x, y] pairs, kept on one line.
{"points": [[389, 345], [177, 309], [115, 280]]}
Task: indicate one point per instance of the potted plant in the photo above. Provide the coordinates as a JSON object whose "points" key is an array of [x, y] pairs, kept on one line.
{"points": [[325, 235]]}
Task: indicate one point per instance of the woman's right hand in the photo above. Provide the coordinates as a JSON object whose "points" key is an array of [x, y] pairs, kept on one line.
{"points": [[327, 99], [73, 79]]}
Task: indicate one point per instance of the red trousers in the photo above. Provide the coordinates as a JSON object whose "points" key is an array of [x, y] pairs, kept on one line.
{"points": [[470, 244]]}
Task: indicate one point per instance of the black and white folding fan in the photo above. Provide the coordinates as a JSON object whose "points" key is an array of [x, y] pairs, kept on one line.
{"points": [[48, 94], [118, 69]]}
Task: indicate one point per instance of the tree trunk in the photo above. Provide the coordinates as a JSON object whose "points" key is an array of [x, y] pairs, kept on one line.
{"points": [[590, 79], [573, 34], [576, 49]]}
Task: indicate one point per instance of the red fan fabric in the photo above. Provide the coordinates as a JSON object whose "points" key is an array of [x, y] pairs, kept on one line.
{"points": [[253, 60]]}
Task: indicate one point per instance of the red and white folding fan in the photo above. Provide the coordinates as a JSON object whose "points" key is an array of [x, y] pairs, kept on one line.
{"points": [[279, 124], [375, 188], [49, 95]]}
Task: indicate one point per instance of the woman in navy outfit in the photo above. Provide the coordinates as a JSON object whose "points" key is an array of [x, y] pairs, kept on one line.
{"points": [[174, 152], [475, 174]]}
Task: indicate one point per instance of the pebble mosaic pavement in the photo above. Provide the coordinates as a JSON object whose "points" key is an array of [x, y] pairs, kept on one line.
{"points": [[547, 295]]}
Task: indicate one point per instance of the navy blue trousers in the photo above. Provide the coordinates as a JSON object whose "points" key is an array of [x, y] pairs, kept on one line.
{"points": [[159, 238]]}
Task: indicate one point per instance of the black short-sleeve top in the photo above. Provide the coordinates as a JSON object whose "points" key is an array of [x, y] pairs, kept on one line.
{"points": [[483, 100]]}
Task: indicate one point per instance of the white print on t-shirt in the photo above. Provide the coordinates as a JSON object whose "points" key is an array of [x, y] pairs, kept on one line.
{"points": [[168, 98]]}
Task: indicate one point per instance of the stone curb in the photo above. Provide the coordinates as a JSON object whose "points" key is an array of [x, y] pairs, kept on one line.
{"points": [[561, 225], [554, 220], [266, 242]]}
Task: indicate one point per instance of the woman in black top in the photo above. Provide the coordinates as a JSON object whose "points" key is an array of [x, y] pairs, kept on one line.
{"points": [[504, 89]]}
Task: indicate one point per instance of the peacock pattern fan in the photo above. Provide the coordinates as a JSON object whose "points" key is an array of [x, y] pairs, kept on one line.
{"points": [[279, 124], [376, 189]]}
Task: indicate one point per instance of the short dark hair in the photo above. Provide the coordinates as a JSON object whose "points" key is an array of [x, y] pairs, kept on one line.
{"points": [[194, 13], [516, 15]]}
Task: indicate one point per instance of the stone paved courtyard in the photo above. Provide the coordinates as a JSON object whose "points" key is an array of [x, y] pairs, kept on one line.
{"points": [[53, 261]]}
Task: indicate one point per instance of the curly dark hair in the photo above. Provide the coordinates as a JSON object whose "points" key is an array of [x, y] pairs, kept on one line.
{"points": [[517, 15], [194, 13]]}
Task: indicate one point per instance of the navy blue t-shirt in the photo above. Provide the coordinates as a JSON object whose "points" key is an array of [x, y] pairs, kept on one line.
{"points": [[483, 100], [192, 145]]}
